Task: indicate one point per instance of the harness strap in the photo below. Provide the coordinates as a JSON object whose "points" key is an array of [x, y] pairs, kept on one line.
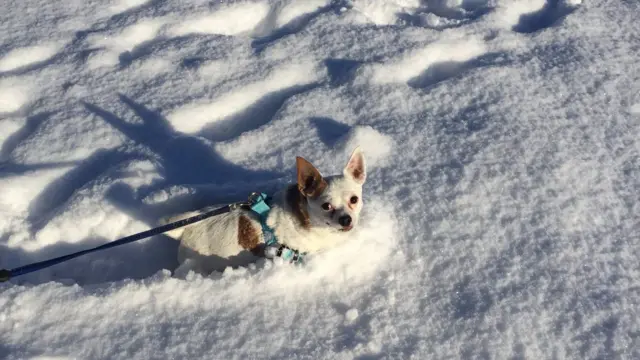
{"points": [[260, 206]]}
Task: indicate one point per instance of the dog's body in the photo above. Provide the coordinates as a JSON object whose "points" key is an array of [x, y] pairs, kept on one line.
{"points": [[313, 215]]}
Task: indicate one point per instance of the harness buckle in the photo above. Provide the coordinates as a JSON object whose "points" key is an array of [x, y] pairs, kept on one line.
{"points": [[255, 197]]}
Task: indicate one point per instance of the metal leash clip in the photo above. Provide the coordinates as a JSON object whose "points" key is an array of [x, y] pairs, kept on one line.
{"points": [[255, 198]]}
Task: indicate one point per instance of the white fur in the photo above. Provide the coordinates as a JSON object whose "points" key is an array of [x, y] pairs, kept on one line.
{"points": [[212, 244]]}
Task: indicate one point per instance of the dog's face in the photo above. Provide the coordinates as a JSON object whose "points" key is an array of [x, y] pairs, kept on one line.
{"points": [[335, 201]]}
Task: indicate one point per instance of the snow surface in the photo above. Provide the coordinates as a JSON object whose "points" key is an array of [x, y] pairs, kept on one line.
{"points": [[500, 211]]}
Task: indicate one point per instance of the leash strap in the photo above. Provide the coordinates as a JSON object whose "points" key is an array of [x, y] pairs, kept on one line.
{"points": [[6, 275], [257, 201]]}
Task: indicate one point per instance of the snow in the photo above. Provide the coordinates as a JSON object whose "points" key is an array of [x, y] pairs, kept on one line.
{"points": [[192, 118], [501, 203], [422, 61], [13, 95], [126, 40], [124, 5], [351, 315], [234, 19], [27, 56], [293, 10]]}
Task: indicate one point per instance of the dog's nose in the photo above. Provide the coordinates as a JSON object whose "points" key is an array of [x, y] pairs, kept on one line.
{"points": [[345, 220]]}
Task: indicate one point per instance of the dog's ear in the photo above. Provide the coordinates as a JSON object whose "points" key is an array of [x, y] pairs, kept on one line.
{"points": [[310, 181], [356, 168]]}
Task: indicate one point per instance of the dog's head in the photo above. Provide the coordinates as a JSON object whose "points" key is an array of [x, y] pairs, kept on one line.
{"points": [[334, 201]]}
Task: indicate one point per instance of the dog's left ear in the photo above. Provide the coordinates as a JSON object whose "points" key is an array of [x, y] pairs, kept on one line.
{"points": [[356, 168], [310, 182]]}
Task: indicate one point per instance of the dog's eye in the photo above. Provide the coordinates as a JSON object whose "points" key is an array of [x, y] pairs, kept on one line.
{"points": [[326, 207], [353, 200]]}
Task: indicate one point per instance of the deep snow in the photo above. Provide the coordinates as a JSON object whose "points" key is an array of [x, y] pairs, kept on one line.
{"points": [[500, 209]]}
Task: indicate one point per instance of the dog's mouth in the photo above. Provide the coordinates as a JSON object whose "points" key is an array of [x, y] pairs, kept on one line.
{"points": [[344, 228]]}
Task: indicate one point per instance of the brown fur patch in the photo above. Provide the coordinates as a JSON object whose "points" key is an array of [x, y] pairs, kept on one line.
{"points": [[248, 236], [318, 188], [298, 203]]}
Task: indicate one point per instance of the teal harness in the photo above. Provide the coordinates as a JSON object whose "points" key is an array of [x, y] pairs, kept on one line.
{"points": [[260, 206]]}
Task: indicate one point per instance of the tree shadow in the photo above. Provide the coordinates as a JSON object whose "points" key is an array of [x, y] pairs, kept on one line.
{"points": [[329, 130], [57, 192], [341, 71], [181, 160], [185, 160]]}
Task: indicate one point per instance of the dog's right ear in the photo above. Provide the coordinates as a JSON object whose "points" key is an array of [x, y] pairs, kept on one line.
{"points": [[310, 181], [356, 167]]}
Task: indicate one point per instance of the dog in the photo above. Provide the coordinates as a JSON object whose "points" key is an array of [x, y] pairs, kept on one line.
{"points": [[315, 214]]}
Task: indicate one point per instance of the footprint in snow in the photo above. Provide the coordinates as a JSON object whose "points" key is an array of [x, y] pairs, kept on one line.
{"points": [[434, 63], [244, 108], [116, 47], [25, 56], [440, 14], [230, 20], [260, 21], [14, 94], [121, 6], [532, 16]]}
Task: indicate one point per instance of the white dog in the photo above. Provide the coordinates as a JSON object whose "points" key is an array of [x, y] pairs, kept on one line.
{"points": [[315, 214]]}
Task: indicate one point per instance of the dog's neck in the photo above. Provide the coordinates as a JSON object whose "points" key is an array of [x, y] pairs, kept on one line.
{"points": [[297, 203]]}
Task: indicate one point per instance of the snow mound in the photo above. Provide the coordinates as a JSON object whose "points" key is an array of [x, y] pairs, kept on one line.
{"points": [[14, 94], [194, 117], [26, 56], [229, 20]]}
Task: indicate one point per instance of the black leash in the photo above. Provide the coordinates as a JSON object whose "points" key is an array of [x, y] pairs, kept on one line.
{"points": [[6, 275]]}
